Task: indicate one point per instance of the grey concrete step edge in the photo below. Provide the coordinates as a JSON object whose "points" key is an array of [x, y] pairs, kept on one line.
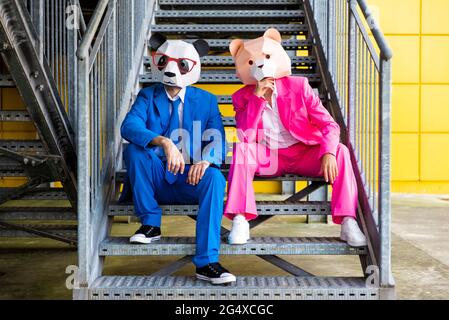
{"points": [[283, 208], [120, 246], [245, 288]]}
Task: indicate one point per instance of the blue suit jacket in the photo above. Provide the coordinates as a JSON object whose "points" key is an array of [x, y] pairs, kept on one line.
{"points": [[149, 118]]}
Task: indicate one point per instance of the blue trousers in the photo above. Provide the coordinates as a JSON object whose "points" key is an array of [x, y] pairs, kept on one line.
{"points": [[146, 173]]}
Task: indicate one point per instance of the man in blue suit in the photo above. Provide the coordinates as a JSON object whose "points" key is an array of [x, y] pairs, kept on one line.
{"points": [[177, 146]]}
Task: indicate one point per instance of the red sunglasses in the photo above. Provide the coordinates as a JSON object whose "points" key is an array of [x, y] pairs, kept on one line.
{"points": [[161, 60]]}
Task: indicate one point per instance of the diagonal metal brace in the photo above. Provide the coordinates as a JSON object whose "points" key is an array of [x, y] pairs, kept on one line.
{"points": [[315, 185], [172, 267], [41, 233], [286, 266]]}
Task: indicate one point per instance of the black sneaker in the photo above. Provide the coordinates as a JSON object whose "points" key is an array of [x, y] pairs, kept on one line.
{"points": [[146, 234], [215, 274]]}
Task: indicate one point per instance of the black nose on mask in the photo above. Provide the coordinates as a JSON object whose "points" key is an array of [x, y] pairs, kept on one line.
{"points": [[170, 74]]}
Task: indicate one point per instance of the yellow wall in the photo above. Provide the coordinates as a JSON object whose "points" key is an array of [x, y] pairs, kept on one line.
{"points": [[418, 31]]}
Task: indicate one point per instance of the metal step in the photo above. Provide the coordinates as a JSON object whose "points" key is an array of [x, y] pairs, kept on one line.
{"points": [[228, 16], [225, 76], [264, 208], [27, 146], [227, 4], [228, 100], [222, 45], [120, 246], [9, 168], [228, 61], [40, 194], [67, 231], [6, 81], [14, 116], [228, 29], [121, 174], [245, 288], [37, 213]]}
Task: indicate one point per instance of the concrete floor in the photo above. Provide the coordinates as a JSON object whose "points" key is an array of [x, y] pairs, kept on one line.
{"points": [[35, 268]]}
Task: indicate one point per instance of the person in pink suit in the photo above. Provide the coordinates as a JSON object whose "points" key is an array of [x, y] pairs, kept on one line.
{"points": [[284, 128]]}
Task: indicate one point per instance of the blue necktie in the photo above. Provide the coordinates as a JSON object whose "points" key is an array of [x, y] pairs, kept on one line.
{"points": [[174, 125]]}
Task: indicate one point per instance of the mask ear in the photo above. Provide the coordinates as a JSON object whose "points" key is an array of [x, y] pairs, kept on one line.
{"points": [[157, 40], [235, 46], [272, 33], [202, 47]]}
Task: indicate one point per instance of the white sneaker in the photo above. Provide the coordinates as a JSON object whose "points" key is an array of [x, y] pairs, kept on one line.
{"points": [[351, 233], [240, 231]]}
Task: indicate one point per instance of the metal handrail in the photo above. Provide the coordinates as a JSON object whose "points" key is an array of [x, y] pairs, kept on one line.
{"points": [[92, 28], [109, 58], [386, 52], [359, 81]]}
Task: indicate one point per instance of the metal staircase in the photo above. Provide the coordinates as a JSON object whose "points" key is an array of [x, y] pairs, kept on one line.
{"points": [[329, 43], [39, 62]]}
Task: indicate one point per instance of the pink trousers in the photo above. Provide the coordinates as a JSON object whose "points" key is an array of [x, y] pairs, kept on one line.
{"points": [[252, 159]]}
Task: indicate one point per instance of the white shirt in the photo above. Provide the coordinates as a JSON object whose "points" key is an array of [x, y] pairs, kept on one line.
{"points": [[181, 95], [276, 136]]}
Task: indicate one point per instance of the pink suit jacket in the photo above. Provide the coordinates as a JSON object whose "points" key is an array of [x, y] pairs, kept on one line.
{"points": [[300, 110]]}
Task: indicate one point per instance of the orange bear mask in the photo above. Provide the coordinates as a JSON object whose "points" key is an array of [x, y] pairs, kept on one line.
{"points": [[261, 58]]}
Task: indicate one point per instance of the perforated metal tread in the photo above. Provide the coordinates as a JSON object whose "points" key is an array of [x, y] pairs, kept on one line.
{"points": [[224, 76], [32, 146], [14, 116], [121, 174], [284, 208], [228, 100], [228, 16], [231, 29], [229, 2], [120, 246], [6, 81], [69, 231], [9, 168], [210, 61], [37, 213], [40, 194], [245, 288], [288, 44]]}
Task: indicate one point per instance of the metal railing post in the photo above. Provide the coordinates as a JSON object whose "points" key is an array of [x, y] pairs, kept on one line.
{"points": [[84, 202], [352, 76], [386, 279]]}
